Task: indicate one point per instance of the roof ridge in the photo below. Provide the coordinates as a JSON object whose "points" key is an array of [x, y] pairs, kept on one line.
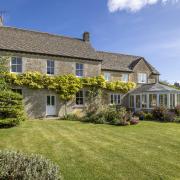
{"points": [[45, 33], [116, 53]]}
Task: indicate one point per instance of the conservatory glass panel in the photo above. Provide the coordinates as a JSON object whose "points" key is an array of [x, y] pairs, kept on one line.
{"points": [[152, 100], [144, 101], [163, 100], [137, 101]]}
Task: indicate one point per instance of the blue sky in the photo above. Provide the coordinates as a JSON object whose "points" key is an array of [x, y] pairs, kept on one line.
{"points": [[149, 28]]}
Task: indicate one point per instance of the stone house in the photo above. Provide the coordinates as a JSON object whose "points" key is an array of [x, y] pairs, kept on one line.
{"points": [[31, 51]]}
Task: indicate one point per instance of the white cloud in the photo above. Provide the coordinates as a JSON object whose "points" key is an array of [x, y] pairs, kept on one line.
{"points": [[133, 5]]}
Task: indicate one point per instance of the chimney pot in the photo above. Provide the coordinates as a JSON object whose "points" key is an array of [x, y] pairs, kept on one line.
{"points": [[86, 36]]}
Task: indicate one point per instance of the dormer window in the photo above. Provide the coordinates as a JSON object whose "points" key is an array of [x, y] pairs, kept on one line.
{"points": [[142, 78], [16, 64]]}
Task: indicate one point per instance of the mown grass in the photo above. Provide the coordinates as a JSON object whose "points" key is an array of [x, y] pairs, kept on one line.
{"points": [[149, 150]]}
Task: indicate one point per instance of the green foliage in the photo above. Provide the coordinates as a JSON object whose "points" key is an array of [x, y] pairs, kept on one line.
{"points": [[15, 165], [11, 109], [66, 85], [177, 110], [3, 70], [163, 114], [108, 115]]}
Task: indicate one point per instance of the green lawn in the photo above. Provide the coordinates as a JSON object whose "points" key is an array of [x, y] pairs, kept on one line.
{"points": [[149, 150]]}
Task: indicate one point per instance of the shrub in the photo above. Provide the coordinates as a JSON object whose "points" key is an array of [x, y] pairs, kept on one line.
{"points": [[134, 121], [169, 116], [11, 109], [159, 112], [109, 115], [148, 116], [163, 114], [15, 165], [177, 110]]}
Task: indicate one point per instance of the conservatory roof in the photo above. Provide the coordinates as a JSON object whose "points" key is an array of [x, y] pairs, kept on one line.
{"points": [[156, 87]]}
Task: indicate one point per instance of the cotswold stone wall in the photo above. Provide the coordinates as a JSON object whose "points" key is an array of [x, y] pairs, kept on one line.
{"points": [[62, 65]]}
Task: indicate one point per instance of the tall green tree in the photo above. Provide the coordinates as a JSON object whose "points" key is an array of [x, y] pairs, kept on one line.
{"points": [[3, 70]]}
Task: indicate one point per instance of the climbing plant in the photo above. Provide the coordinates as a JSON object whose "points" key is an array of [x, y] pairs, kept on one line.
{"points": [[66, 86]]}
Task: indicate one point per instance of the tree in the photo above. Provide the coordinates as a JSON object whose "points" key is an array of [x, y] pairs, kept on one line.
{"points": [[3, 70]]}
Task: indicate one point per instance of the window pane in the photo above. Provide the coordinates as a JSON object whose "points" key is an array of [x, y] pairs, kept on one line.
{"points": [[19, 91], [132, 101], [112, 99], [13, 60], [79, 73], [80, 98], [48, 100], [178, 99], [144, 101], [19, 61], [152, 100], [19, 68], [107, 76], [125, 77], [52, 100], [137, 101], [13, 68]]}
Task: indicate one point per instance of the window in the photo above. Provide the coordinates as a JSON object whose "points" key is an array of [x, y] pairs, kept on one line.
{"points": [[50, 100], [50, 67], [19, 91], [142, 78], [107, 76], [163, 100], [16, 64], [144, 101], [178, 99], [125, 77], [80, 98], [138, 102], [79, 70], [172, 100], [116, 99], [131, 101], [152, 100]]}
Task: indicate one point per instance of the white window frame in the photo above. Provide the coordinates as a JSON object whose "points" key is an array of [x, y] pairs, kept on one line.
{"points": [[115, 99], [107, 76], [52, 68], [11, 64], [144, 101], [79, 69], [142, 78], [125, 77], [82, 97]]}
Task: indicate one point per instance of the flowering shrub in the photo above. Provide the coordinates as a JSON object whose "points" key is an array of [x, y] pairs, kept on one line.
{"points": [[177, 110], [15, 165], [134, 121]]}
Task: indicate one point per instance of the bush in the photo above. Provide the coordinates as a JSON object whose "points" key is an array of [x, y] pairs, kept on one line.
{"points": [[134, 121], [148, 116], [109, 115], [11, 109], [15, 166], [177, 110], [159, 112], [169, 116], [163, 114]]}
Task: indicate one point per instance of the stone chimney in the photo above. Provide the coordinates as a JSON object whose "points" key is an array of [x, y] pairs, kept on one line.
{"points": [[86, 36], [1, 21]]}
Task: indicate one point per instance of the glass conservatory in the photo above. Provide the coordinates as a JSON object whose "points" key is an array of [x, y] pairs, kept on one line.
{"points": [[149, 96]]}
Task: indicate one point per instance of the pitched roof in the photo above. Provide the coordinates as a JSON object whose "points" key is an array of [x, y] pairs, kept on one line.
{"points": [[121, 62], [157, 87], [43, 43]]}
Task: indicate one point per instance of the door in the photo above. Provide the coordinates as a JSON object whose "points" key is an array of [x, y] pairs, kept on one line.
{"points": [[50, 106]]}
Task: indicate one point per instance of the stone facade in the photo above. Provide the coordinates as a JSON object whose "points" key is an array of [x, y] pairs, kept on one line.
{"points": [[36, 100], [141, 67]]}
